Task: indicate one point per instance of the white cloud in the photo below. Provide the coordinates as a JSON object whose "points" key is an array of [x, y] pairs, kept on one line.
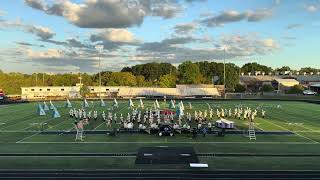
{"points": [[108, 13], [174, 50], [294, 26], [270, 43], [312, 8], [40, 31], [113, 39], [235, 16], [117, 35], [185, 28], [44, 33], [2, 13], [50, 53]]}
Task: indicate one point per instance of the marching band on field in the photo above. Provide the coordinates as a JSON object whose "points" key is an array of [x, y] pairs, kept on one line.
{"points": [[150, 119]]}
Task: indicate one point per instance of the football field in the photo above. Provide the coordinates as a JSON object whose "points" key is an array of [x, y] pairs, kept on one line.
{"points": [[28, 140]]}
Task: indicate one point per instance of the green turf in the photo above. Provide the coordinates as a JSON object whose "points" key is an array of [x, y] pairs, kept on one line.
{"points": [[20, 128]]}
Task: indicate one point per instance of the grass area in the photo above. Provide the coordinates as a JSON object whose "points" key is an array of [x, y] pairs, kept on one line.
{"points": [[20, 128]]}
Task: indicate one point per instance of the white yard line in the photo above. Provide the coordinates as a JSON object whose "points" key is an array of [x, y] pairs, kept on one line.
{"points": [[306, 128], [70, 129], [98, 126], [37, 133], [26, 121], [152, 142], [292, 131], [259, 127], [41, 123], [17, 123], [28, 137]]}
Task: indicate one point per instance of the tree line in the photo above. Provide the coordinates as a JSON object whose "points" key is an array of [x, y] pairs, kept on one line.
{"points": [[144, 75]]}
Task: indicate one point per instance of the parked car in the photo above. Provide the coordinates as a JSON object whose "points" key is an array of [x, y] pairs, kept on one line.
{"points": [[1, 94], [309, 92]]}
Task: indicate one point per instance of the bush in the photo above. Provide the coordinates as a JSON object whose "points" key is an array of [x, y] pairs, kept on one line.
{"points": [[239, 88], [296, 89], [267, 88]]}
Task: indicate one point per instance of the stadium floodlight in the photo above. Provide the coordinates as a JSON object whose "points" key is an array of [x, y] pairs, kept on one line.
{"points": [[224, 48], [99, 48]]}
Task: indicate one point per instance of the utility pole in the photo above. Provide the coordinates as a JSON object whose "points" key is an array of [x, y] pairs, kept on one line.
{"points": [[224, 72], [43, 79], [99, 77], [99, 48], [36, 79]]}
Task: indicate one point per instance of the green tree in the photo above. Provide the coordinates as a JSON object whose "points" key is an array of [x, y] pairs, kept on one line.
{"points": [[296, 89], [232, 76], [308, 70], [126, 69], [267, 88], [122, 79], [84, 91], [189, 73], [239, 88], [105, 77], [140, 81], [283, 69], [253, 67], [167, 81], [152, 71]]}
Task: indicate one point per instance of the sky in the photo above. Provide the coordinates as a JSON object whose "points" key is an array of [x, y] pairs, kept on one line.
{"points": [[62, 36]]}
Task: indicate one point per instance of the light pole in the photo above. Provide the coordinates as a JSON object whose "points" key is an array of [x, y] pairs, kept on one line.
{"points": [[36, 78], [43, 79], [99, 48], [224, 72]]}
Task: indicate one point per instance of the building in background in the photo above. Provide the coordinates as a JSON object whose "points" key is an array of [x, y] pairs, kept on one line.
{"points": [[284, 85], [254, 83], [50, 92], [71, 92]]}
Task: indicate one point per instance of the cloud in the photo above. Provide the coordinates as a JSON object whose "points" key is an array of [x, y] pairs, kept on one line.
{"points": [[115, 35], [258, 15], [24, 44], [268, 43], [294, 26], [2, 13], [108, 13], [185, 28], [191, 1], [312, 8], [276, 2], [28, 44], [166, 10], [56, 60], [235, 16], [168, 45], [50, 53], [289, 37], [44, 33], [59, 60], [114, 38], [70, 43], [177, 50], [36, 4]]}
